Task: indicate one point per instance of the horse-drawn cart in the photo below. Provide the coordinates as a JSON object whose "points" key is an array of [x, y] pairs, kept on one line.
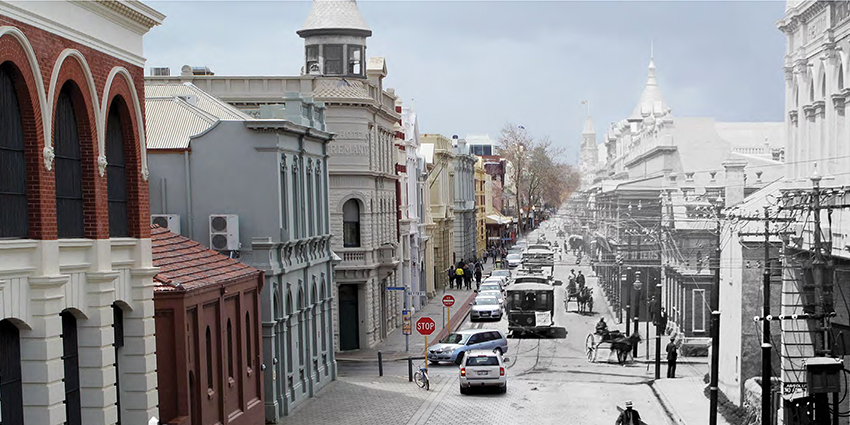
{"points": [[613, 347], [583, 297]]}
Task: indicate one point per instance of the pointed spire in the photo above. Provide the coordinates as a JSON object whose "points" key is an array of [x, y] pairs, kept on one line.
{"points": [[651, 101]]}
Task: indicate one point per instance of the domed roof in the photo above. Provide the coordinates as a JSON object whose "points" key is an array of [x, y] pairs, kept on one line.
{"points": [[335, 16]]}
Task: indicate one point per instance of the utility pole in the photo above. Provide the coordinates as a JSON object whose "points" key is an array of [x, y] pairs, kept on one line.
{"points": [[817, 271], [715, 322]]}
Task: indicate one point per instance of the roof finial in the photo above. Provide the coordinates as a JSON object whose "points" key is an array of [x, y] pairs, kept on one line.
{"points": [[587, 105], [651, 49]]}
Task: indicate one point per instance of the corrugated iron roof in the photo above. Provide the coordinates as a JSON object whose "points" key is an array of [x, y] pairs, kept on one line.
{"points": [[177, 111], [170, 123], [185, 264], [197, 97]]}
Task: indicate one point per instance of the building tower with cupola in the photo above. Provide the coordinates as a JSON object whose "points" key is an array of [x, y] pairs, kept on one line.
{"points": [[588, 155], [335, 39]]}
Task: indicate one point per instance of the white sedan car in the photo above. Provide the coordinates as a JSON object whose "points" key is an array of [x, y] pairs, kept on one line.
{"points": [[482, 368]]}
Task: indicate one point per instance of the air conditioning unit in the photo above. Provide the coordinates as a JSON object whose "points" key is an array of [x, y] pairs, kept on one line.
{"points": [[167, 221], [162, 71], [224, 232]]}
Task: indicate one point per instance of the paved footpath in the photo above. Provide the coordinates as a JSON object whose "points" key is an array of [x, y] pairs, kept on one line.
{"points": [[394, 347]]}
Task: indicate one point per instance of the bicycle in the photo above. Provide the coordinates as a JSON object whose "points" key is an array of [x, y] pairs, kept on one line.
{"points": [[421, 378]]}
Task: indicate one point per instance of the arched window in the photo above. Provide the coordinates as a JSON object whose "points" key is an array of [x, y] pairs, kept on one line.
{"points": [[284, 193], [312, 212], [13, 180], [302, 318], [290, 334], [250, 361], [118, 333], [297, 213], [208, 337], [351, 223], [71, 364], [68, 167], [823, 86], [324, 320], [840, 77], [229, 349], [116, 174], [313, 324], [11, 388]]}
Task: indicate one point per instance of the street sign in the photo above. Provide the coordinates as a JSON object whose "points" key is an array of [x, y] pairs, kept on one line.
{"points": [[405, 317], [418, 293], [395, 288], [425, 326], [448, 300]]}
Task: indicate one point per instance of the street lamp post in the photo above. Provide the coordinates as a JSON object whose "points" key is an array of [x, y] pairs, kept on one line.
{"points": [[629, 303], [715, 323], [638, 284], [658, 332]]}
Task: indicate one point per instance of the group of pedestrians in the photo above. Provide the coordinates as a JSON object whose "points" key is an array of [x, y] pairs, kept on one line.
{"points": [[495, 253], [462, 274]]}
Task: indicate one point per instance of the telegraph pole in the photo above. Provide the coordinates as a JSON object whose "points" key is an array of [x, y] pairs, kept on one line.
{"points": [[715, 323], [817, 271], [766, 345]]}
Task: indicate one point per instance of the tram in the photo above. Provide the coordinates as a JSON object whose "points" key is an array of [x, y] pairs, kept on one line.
{"points": [[531, 304]]}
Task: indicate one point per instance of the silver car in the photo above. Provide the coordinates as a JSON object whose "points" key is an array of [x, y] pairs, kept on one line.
{"points": [[452, 347], [483, 368], [485, 308]]}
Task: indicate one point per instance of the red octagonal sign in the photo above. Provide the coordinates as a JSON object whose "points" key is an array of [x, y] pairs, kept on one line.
{"points": [[425, 326], [448, 300]]}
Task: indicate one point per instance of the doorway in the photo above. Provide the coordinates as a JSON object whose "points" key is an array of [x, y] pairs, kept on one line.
{"points": [[349, 318]]}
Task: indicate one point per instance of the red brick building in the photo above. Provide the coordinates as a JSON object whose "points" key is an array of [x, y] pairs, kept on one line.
{"points": [[211, 372], [76, 282]]}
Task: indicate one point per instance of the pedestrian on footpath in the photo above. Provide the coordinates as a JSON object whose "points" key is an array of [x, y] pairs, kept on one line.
{"points": [[629, 416], [467, 276], [478, 272], [672, 356]]}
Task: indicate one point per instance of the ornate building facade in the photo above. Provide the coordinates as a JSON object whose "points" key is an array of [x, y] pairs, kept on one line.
{"points": [[439, 156], [76, 275], [465, 232]]}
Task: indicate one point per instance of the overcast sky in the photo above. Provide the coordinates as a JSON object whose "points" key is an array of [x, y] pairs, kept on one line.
{"points": [[472, 67]]}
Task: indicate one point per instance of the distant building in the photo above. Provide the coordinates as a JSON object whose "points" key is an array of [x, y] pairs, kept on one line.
{"points": [[76, 280], [588, 155], [212, 372], [481, 145], [439, 156], [464, 202]]}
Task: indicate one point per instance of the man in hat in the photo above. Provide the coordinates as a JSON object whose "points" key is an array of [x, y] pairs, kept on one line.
{"points": [[672, 356], [629, 416]]}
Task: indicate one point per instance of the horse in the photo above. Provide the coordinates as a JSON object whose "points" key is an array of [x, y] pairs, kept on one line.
{"points": [[624, 345], [585, 300]]}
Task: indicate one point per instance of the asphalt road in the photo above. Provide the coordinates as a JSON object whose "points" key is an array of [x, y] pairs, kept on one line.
{"points": [[550, 379]]}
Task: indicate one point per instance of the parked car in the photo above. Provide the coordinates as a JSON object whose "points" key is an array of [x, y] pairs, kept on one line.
{"points": [[502, 273], [452, 347], [483, 368], [501, 280], [498, 295], [514, 260], [485, 308], [491, 286]]}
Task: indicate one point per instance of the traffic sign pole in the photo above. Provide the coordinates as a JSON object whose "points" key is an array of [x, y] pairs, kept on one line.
{"points": [[426, 353], [449, 318]]}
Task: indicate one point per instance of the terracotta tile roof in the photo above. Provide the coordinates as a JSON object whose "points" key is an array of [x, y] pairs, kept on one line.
{"points": [[185, 264]]}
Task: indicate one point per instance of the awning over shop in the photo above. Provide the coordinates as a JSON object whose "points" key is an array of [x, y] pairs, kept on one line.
{"points": [[498, 219]]}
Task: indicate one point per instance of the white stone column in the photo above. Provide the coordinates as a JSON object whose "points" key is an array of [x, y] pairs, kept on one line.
{"points": [[139, 399], [41, 353], [97, 353]]}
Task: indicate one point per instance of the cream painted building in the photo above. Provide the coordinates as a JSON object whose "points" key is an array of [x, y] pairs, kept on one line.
{"points": [[417, 255], [439, 157], [76, 276], [483, 183], [465, 232]]}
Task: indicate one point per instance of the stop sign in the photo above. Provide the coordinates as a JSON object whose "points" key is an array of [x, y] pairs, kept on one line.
{"points": [[425, 326], [448, 300]]}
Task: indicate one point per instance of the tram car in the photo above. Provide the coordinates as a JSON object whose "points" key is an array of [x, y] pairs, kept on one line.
{"points": [[530, 305]]}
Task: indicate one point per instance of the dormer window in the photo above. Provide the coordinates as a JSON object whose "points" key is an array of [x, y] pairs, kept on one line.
{"points": [[313, 60], [355, 60], [333, 59]]}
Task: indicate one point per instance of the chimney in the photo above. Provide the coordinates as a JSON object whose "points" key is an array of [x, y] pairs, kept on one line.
{"points": [[734, 183]]}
